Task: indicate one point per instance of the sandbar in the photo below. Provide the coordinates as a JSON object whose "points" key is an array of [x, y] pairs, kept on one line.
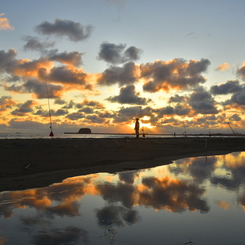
{"points": [[33, 163]]}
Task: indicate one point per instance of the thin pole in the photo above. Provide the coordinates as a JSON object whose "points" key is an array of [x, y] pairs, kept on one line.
{"points": [[50, 117], [143, 131]]}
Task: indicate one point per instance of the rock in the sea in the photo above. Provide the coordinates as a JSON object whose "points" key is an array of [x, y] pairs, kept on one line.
{"points": [[84, 131]]}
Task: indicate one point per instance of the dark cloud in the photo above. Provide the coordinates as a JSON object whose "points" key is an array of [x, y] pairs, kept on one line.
{"points": [[86, 110], [181, 110], [7, 60], [128, 177], [236, 118], [177, 74], [241, 72], [128, 95], [201, 168], [107, 191], [72, 58], [34, 44], [69, 105], [41, 90], [116, 215], [227, 88], [24, 108], [27, 124], [202, 102], [91, 103], [176, 99], [115, 54], [122, 75], [75, 116], [129, 113], [106, 114], [132, 53], [94, 119], [238, 98], [60, 112], [64, 75], [59, 102], [74, 31], [169, 110]]}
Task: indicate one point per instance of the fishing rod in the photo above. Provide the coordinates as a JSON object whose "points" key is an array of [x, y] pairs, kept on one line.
{"points": [[142, 129], [50, 116]]}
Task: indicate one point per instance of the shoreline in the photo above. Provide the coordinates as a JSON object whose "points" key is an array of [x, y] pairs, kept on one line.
{"points": [[33, 163]]}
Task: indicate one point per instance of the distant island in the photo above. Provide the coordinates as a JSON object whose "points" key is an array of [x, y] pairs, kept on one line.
{"points": [[81, 131]]}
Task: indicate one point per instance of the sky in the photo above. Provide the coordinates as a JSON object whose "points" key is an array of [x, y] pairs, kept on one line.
{"points": [[177, 65]]}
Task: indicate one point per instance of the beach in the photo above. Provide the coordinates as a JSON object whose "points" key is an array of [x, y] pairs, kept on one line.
{"points": [[33, 163]]}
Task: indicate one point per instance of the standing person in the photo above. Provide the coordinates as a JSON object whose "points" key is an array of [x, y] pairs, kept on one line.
{"points": [[137, 127]]}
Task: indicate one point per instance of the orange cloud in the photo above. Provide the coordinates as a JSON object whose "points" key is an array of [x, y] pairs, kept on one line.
{"points": [[4, 23], [224, 205], [27, 68], [223, 67]]}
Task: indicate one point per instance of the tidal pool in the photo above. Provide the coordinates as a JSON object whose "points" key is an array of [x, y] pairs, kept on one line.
{"points": [[197, 200]]}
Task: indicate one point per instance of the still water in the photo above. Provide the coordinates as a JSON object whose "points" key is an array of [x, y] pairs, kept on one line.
{"points": [[197, 200]]}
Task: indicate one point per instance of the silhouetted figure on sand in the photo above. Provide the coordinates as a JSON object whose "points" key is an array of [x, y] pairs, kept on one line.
{"points": [[137, 127]]}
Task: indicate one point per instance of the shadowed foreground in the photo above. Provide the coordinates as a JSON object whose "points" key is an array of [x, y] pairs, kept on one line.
{"points": [[30, 163]]}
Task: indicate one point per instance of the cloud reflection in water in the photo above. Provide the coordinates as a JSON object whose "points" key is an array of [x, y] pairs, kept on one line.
{"points": [[82, 209]]}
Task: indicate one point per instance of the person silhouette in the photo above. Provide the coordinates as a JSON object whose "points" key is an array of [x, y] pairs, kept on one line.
{"points": [[137, 127]]}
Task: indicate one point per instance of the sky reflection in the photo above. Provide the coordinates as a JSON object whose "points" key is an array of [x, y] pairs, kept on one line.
{"points": [[199, 199]]}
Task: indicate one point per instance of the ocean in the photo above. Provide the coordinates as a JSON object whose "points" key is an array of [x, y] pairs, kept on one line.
{"points": [[71, 136], [106, 135]]}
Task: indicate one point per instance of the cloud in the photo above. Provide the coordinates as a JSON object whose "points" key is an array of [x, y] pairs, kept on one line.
{"points": [[75, 116], [7, 60], [176, 99], [122, 75], [71, 58], [39, 89], [202, 102], [169, 110], [223, 67], [94, 119], [74, 31], [87, 110], [128, 95], [6, 102], [125, 114], [116, 215], [34, 44], [24, 108], [107, 191], [92, 103], [227, 88], [238, 98], [174, 74], [116, 54], [236, 118], [158, 194], [65, 75], [4, 23], [27, 68]]}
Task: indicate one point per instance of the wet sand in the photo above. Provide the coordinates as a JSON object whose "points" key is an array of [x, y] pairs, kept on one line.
{"points": [[31, 163]]}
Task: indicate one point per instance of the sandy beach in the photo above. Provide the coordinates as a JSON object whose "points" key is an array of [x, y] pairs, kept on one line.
{"points": [[30, 163]]}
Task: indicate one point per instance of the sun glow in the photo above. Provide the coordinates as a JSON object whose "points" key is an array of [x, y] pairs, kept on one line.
{"points": [[144, 123]]}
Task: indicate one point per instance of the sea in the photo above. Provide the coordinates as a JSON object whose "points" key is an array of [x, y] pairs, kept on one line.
{"points": [[73, 136], [18, 135]]}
